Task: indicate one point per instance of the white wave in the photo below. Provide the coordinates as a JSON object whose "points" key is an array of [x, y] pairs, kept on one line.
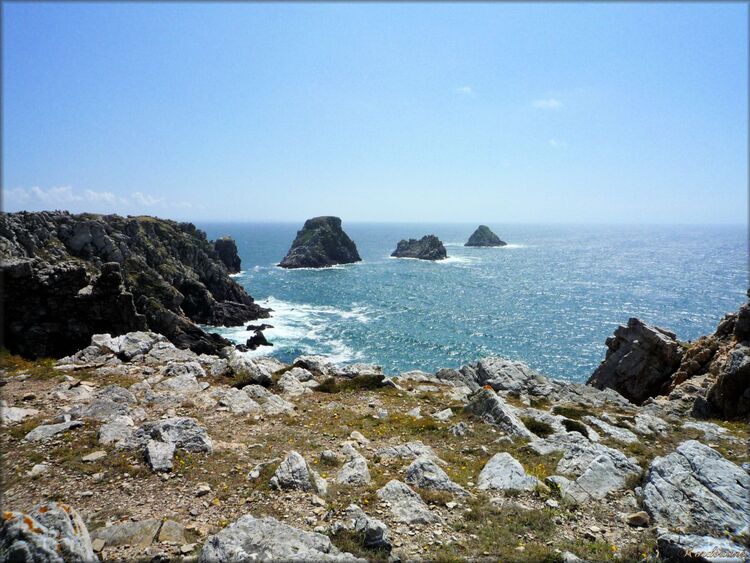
{"points": [[453, 244], [238, 274], [334, 267], [301, 327], [458, 260]]}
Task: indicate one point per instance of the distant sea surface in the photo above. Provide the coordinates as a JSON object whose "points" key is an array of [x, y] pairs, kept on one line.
{"points": [[550, 298]]}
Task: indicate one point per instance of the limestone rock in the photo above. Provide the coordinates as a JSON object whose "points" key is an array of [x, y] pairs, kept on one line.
{"points": [[488, 406], [116, 430], [373, 532], [14, 415], [354, 471], [46, 431], [483, 236], [503, 472], [139, 534], [295, 473], [321, 243], [429, 247], [639, 362], [410, 450], [266, 539], [51, 533], [696, 489], [405, 505], [675, 548], [159, 455], [425, 473]]}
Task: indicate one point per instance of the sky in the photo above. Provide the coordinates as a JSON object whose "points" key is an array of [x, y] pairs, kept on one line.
{"points": [[423, 112]]}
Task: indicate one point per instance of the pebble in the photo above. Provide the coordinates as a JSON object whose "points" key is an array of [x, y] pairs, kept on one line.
{"points": [[98, 544], [94, 456], [187, 548], [552, 503], [202, 489]]}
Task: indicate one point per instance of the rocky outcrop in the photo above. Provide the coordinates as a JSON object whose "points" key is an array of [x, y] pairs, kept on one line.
{"points": [[52, 533], [429, 247], [483, 236], [695, 489], [321, 243], [226, 249], [640, 361], [505, 473], [405, 505], [675, 548], [67, 277], [267, 539]]}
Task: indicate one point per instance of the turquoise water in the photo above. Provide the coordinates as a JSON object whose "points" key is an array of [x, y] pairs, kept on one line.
{"points": [[550, 298]]}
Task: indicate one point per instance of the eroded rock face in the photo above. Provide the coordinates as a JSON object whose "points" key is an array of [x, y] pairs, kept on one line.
{"points": [[321, 243], [486, 405], [429, 247], [503, 472], [267, 539], [226, 248], [405, 505], [51, 533], [640, 361], [695, 489], [483, 236], [69, 276]]}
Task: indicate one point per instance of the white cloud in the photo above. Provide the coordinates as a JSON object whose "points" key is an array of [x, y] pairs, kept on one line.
{"points": [[548, 103], [65, 197], [465, 90], [555, 144]]}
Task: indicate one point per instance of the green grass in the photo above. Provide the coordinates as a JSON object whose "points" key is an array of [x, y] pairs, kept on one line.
{"points": [[575, 413], [538, 427], [575, 426]]}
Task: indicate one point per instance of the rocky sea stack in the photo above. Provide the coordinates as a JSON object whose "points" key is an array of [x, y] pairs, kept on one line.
{"points": [[483, 236], [68, 277], [429, 247], [321, 243]]}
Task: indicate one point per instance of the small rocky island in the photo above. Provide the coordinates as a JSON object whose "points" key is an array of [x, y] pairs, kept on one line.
{"points": [[429, 247], [321, 243], [483, 236]]}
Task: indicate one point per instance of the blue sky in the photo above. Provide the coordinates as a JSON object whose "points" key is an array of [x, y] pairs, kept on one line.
{"points": [[491, 112]]}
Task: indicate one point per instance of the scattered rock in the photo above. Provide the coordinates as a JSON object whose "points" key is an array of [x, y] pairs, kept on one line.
{"points": [[94, 456], [488, 406], [503, 472], [267, 539], [52, 532], [696, 489], [638, 519], [294, 473], [405, 505], [159, 455], [424, 473], [675, 548], [443, 415], [46, 431], [139, 534], [373, 532], [354, 471], [14, 415], [172, 531]]}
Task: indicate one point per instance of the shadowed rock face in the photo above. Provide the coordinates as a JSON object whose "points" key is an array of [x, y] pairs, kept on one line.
{"points": [[319, 244], [226, 248], [68, 277], [640, 361], [429, 247], [483, 236]]}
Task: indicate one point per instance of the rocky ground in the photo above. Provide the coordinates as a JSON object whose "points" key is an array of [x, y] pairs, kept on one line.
{"points": [[134, 449]]}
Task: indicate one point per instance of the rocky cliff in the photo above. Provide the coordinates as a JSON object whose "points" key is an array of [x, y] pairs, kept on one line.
{"points": [[483, 236], [68, 276], [707, 378], [321, 243], [429, 247]]}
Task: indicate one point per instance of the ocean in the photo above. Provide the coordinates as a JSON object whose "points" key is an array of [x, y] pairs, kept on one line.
{"points": [[550, 298]]}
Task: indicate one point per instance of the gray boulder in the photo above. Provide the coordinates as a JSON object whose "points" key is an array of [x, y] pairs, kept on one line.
{"points": [[139, 534], [373, 532], [639, 362], [425, 473], [116, 430], [488, 406], [354, 471], [675, 548], [267, 539], [410, 450], [622, 435], [47, 431], [294, 473], [184, 432], [53, 533], [503, 472], [405, 505], [159, 455], [695, 489], [237, 400]]}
